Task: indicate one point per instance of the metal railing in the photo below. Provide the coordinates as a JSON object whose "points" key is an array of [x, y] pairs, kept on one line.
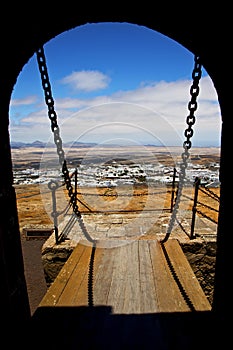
{"points": [[59, 237]]}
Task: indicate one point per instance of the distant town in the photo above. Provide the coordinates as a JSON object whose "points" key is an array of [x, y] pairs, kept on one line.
{"points": [[115, 174], [112, 167]]}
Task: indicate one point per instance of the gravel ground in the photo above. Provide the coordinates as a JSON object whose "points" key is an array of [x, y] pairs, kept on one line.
{"points": [[34, 273]]}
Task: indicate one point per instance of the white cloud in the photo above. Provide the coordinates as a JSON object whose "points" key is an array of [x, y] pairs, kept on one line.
{"points": [[87, 80], [155, 111], [29, 100]]}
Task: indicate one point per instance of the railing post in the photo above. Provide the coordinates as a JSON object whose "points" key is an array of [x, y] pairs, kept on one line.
{"points": [[173, 189], [75, 184], [194, 209], [53, 185]]}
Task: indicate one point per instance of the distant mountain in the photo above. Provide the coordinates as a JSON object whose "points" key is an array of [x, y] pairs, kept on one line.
{"points": [[41, 144], [37, 144], [76, 144], [17, 144], [79, 144]]}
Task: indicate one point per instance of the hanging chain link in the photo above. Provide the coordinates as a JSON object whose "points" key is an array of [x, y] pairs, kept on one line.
{"points": [[188, 133], [192, 106], [55, 128]]}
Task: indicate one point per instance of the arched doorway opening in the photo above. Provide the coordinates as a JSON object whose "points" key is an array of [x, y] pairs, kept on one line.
{"points": [[171, 123]]}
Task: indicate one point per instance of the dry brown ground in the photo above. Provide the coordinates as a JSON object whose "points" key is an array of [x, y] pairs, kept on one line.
{"points": [[33, 204], [34, 201]]}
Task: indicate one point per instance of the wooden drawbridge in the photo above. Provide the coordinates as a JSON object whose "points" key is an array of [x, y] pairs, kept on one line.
{"points": [[138, 276], [138, 294]]}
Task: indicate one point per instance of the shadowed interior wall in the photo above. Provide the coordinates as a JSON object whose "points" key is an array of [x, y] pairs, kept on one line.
{"points": [[25, 29]]}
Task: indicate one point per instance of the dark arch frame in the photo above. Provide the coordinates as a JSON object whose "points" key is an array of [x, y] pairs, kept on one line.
{"points": [[23, 32]]}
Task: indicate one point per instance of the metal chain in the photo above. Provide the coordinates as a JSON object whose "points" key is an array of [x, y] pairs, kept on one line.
{"points": [[54, 127], [190, 120], [192, 106]]}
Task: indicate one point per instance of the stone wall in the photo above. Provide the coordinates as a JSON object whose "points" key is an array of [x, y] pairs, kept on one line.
{"points": [[54, 257], [202, 257]]}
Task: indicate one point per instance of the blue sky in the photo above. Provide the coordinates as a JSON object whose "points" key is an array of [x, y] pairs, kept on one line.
{"points": [[115, 82]]}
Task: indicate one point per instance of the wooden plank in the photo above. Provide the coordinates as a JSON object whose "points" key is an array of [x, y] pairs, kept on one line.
{"points": [[118, 279], [186, 276], [84, 291], [53, 294], [148, 302], [103, 272], [131, 295], [168, 296], [78, 281], [124, 279]]}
